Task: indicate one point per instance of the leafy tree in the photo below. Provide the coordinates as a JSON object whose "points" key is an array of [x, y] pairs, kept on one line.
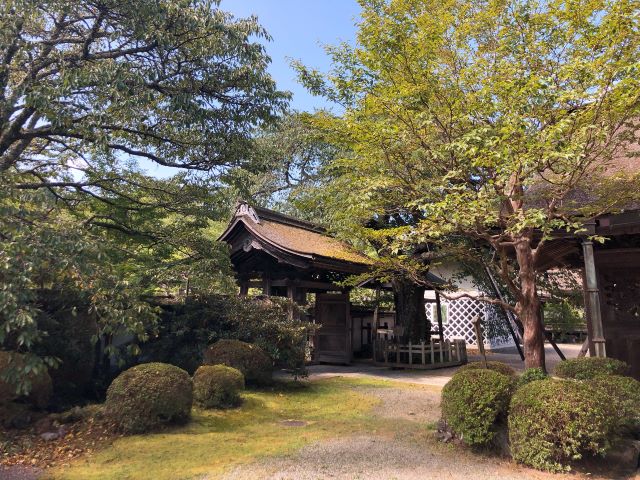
{"points": [[286, 161], [86, 85], [485, 123], [92, 94]]}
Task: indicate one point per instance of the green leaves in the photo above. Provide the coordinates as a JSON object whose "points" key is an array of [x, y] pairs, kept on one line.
{"points": [[485, 119]]}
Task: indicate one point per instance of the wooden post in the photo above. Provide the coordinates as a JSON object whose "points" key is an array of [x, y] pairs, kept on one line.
{"points": [[592, 300], [374, 323], [439, 315], [424, 360], [291, 295], [410, 354], [433, 348], [479, 339]]}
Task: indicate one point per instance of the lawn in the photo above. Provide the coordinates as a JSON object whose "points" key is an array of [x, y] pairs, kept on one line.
{"points": [[218, 440]]}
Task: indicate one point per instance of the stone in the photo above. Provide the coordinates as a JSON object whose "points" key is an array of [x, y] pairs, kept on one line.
{"points": [[50, 436], [43, 425], [625, 455]]}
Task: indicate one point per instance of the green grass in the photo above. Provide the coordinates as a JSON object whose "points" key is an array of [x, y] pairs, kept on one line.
{"points": [[217, 440]]}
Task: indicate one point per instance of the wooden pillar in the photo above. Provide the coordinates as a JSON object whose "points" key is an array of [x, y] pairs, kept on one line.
{"points": [[244, 288], [374, 323], [266, 286], [291, 295], [592, 301], [439, 315]]}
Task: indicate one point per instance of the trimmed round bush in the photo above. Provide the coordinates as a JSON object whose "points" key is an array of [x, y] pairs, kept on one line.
{"points": [[555, 422], [474, 402], [623, 393], [587, 368], [41, 385], [495, 366], [251, 360], [148, 396], [217, 386], [531, 375]]}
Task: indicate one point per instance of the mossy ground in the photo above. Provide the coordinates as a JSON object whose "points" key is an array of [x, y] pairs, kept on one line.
{"points": [[215, 441]]}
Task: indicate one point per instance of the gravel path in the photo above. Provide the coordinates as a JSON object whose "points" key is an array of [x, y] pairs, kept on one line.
{"points": [[379, 458], [420, 404], [19, 473], [393, 456], [438, 377]]}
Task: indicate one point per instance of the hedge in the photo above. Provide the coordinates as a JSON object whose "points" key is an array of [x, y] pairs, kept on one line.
{"points": [[623, 394], [587, 368], [474, 402], [531, 375], [495, 366], [148, 396], [251, 360], [555, 422], [217, 386]]}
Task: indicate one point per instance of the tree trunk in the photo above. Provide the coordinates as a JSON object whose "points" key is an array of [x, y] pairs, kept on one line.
{"points": [[410, 311], [528, 308]]}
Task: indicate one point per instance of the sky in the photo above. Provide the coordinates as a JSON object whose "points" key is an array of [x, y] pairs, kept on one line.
{"points": [[299, 29]]}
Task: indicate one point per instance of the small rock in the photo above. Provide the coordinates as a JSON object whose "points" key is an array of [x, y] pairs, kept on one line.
{"points": [[43, 425], [625, 455], [49, 436], [293, 423]]}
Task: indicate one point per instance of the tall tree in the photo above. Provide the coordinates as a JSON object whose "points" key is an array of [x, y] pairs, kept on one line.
{"points": [[476, 122], [92, 94], [85, 84]]}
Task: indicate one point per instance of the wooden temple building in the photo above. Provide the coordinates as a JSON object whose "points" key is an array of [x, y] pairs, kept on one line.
{"points": [[611, 282], [283, 256]]}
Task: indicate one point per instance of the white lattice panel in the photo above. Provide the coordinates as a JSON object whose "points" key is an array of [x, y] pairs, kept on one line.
{"points": [[461, 313]]}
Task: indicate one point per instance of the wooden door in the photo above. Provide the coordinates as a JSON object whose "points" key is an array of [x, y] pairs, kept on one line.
{"points": [[333, 338]]}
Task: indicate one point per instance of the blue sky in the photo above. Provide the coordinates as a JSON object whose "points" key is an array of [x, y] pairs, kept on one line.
{"points": [[299, 29]]}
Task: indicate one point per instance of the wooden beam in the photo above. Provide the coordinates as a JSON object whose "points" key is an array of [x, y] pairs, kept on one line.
{"points": [[592, 300], [439, 315]]}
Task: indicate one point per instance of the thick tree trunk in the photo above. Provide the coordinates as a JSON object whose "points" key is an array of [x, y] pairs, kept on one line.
{"points": [[528, 308], [410, 310]]}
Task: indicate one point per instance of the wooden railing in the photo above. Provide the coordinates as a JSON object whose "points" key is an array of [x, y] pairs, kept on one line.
{"points": [[434, 354]]}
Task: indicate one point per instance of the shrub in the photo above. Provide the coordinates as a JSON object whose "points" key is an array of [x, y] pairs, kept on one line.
{"points": [[186, 329], [587, 368], [474, 402], [623, 394], [217, 386], [41, 385], [495, 366], [149, 395], [554, 422], [251, 360], [70, 328], [531, 375]]}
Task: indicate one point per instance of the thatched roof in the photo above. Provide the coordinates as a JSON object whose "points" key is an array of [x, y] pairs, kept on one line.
{"points": [[276, 232]]}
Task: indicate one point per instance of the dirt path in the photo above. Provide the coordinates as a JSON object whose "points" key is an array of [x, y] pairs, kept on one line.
{"points": [[384, 456], [19, 472], [379, 458], [418, 404], [438, 377]]}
